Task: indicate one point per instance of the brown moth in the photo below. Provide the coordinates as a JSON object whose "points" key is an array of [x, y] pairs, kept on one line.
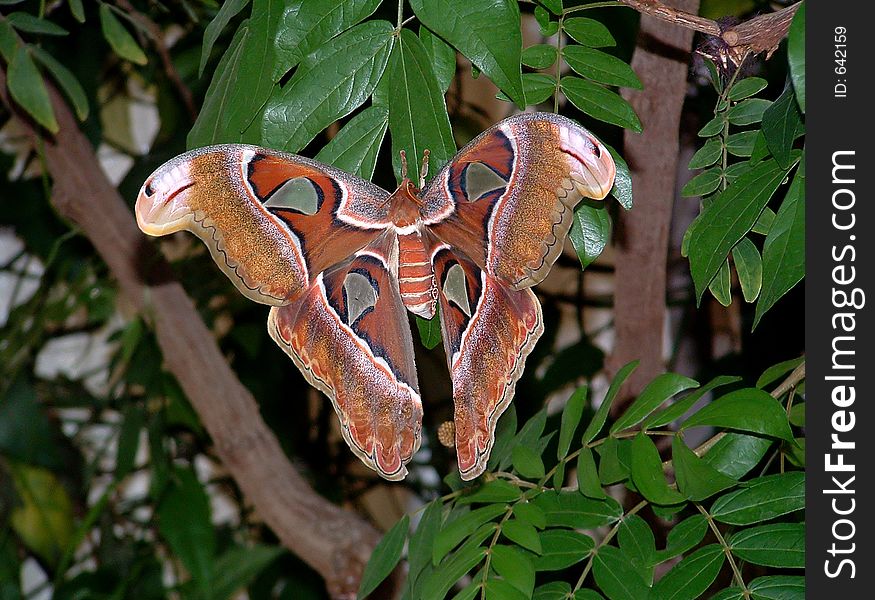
{"points": [[340, 259]]}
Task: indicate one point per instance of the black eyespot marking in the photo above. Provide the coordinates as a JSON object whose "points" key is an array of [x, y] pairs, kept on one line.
{"points": [[147, 189]]}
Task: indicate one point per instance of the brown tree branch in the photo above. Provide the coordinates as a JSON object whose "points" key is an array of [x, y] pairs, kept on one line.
{"points": [[670, 14], [762, 33], [660, 60], [335, 542]]}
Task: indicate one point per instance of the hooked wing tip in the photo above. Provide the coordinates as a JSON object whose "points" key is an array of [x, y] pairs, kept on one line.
{"points": [[592, 167]]}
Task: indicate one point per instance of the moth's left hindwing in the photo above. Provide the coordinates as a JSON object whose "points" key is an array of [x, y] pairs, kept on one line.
{"points": [[350, 338], [272, 221], [488, 330]]}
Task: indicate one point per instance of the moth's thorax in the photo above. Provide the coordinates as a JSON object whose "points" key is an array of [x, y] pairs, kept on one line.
{"points": [[404, 205]]}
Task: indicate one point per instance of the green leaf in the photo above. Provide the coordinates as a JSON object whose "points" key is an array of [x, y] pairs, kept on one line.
{"points": [[571, 509], [354, 149], [689, 579], [747, 87], [505, 433], [741, 144], [562, 548], [571, 414], [501, 589], [418, 117], [696, 479], [714, 126], [781, 122], [228, 10], [590, 231], [547, 27], [622, 190], [703, 183], [730, 593], [707, 155], [663, 387], [238, 566], [613, 469], [331, 83], [538, 87], [385, 557], [8, 41], [680, 408], [601, 415], [497, 490], [527, 462], [128, 441], [213, 124], [616, 577], [637, 542], [441, 56], [647, 472], [555, 590], [539, 56], [588, 32], [736, 453], [36, 444], [456, 531], [65, 78], [728, 218], [684, 536], [27, 87], [42, 515], [760, 149], [778, 587], [530, 513], [119, 38], [77, 10], [748, 409], [775, 372], [749, 266], [419, 548], [735, 171], [764, 222], [448, 573], [306, 25], [748, 112], [554, 6], [184, 522], [523, 534], [796, 54], [515, 567], [762, 499], [780, 545], [721, 285], [587, 475], [784, 249], [23, 21], [600, 103], [600, 66], [531, 431], [429, 331], [487, 33]]}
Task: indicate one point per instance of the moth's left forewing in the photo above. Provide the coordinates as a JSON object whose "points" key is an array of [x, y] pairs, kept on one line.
{"points": [[350, 338], [507, 199], [488, 331]]}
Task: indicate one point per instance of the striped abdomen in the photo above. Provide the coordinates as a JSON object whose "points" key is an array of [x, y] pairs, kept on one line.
{"points": [[416, 280]]}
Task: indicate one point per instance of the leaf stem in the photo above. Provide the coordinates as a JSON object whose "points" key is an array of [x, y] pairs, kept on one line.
{"points": [[726, 550], [558, 62], [573, 9], [604, 541]]}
